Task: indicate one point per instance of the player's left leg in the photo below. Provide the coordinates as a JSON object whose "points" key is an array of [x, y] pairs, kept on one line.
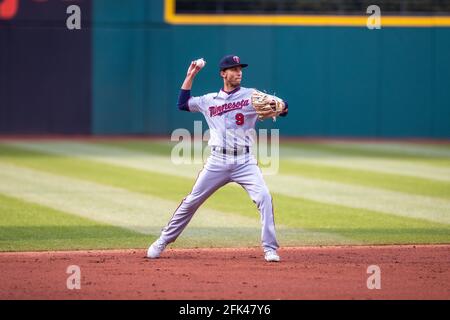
{"points": [[250, 177]]}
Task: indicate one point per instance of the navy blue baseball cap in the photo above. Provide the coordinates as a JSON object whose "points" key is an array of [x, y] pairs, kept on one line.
{"points": [[231, 61]]}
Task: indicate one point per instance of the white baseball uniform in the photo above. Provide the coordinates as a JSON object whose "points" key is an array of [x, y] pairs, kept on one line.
{"points": [[231, 119]]}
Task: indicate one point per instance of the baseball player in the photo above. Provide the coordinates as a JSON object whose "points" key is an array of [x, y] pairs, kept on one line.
{"points": [[228, 113]]}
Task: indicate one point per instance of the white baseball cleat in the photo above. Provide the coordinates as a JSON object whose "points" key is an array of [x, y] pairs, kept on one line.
{"points": [[271, 256], [155, 250]]}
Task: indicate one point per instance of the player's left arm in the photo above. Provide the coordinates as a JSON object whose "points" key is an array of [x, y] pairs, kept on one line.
{"points": [[285, 106], [285, 109]]}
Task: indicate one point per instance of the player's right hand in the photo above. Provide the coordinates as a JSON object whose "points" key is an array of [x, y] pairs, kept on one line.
{"points": [[193, 69]]}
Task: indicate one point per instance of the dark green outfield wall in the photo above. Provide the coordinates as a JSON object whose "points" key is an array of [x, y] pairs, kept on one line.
{"points": [[339, 81]]}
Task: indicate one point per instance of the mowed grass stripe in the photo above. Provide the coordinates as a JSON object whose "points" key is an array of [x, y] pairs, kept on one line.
{"points": [[401, 204], [399, 168], [420, 149], [312, 150], [161, 147], [145, 214], [26, 226], [144, 158], [398, 175], [348, 150], [332, 192], [114, 156], [103, 203], [362, 226], [141, 156], [405, 184], [418, 152]]}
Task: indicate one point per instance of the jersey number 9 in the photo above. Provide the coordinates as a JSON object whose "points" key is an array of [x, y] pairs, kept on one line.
{"points": [[239, 119]]}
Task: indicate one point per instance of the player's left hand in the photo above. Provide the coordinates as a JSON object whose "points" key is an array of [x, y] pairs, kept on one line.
{"points": [[266, 106]]}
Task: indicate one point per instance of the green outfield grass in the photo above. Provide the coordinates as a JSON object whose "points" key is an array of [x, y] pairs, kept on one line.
{"points": [[26, 226], [91, 195]]}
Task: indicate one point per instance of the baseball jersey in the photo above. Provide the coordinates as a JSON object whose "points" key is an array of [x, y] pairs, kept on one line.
{"points": [[230, 116]]}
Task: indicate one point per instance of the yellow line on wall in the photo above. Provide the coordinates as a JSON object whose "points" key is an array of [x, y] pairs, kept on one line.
{"points": [[299, 20]]}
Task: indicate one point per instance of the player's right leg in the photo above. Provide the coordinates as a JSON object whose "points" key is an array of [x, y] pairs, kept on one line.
{"points": [[208, 181]]}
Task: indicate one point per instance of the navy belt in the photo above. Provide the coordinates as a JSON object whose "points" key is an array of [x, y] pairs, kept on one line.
{"points": [[234, 152]]}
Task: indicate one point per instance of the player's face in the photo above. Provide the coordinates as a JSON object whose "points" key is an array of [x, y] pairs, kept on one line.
{"points": [[233, 76]]}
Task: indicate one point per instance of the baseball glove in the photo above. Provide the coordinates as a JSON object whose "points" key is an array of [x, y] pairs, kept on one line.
{"points": [[266, 106]]}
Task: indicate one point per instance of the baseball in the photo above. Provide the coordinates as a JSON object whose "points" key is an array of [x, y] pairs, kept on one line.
{"points": [[200, 62]]}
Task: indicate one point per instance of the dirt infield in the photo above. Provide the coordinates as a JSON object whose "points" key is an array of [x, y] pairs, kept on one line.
{"points": [[407, 272]]}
